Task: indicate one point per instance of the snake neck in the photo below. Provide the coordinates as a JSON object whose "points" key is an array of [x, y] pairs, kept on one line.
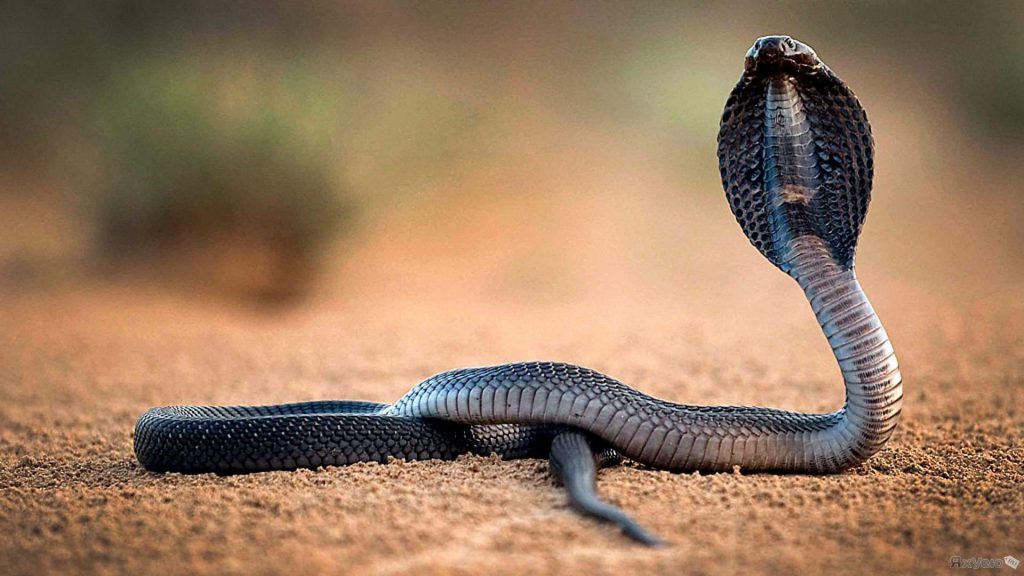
{"points": [[871, 374]]}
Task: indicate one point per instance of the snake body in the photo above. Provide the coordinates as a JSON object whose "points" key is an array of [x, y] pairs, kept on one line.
{"points": [[795, 151]]}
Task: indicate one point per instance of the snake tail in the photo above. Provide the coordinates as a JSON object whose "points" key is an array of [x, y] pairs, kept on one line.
{"points": [[574, 463]]}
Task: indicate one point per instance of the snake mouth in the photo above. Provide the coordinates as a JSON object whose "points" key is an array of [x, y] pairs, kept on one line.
{"points": [[771, 55]]}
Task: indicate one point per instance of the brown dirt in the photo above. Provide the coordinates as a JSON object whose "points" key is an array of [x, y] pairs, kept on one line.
{"points": [[78, 366], [567, 262]]}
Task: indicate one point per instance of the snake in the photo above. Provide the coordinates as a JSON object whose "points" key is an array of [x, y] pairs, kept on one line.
{"points": [[795, 155]]}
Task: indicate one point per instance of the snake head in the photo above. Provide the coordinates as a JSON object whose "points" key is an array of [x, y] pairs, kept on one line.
{"points": [[774, 54], [795, 152]]}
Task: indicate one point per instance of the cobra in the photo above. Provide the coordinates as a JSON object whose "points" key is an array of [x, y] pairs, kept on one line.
{"points": [[795, 151]]}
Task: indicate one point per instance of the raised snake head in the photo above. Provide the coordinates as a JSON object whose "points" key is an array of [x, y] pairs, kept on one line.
{"points": [[770, 53], [795, 152]]}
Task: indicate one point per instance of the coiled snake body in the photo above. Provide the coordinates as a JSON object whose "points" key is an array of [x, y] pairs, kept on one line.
{"points": [[795, 152]]}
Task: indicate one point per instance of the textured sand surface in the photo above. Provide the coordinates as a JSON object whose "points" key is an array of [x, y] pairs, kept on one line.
{"points": [[658, 289], [78, 367]]}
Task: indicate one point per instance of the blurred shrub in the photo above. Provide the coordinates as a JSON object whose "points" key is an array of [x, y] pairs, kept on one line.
{"points": [[224, 171]]}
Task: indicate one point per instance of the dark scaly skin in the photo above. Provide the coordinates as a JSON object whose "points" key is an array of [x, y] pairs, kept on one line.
{"points": [[241, 439], [795, 153], [574, 462], [839, 142]]}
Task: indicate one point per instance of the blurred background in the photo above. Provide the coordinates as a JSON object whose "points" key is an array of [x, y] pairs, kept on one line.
{"points": [[527, 153]]}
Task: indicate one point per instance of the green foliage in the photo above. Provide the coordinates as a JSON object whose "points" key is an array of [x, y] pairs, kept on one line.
{"points": [[193, 149]]}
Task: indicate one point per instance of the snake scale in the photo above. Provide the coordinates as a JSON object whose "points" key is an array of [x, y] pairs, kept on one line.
{"points": [[795, 152]]}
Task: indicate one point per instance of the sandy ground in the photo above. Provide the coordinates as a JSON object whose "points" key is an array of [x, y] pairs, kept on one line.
{"points": [[658, 289], [79, 365]]}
